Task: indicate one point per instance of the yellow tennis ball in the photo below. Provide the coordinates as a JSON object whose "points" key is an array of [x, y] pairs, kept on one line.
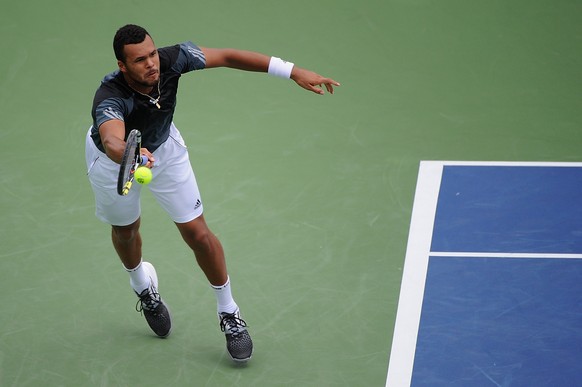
{"points": [[143, 175]]}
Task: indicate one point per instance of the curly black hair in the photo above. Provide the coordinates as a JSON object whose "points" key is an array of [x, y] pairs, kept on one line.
{"points": [[128, 34]]}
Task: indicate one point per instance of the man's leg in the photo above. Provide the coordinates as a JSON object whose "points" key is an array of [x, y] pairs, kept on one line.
{"points": [[143, 277], [207, 249], [210, 257], [127, 243]]}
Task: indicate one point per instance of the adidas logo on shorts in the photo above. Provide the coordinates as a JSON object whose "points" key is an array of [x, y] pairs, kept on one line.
{"points": [[198, 204]]}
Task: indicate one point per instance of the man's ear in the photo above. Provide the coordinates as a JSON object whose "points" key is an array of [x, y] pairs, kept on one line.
{"points": [[121, 66]]}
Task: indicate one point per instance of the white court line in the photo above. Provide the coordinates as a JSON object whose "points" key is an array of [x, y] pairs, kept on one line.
{"points": [[416, 261], [506, 163], [414, 275], [502, 255]]}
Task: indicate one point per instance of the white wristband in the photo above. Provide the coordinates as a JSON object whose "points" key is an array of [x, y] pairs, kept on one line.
{"points": [[280, 68]]}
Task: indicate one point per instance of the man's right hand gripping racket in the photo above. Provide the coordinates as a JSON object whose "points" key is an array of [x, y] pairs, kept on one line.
{"points": [[129, 162]]}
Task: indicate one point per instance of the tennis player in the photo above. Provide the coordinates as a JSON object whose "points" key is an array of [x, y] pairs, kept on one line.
{"points": [[141, 94]]}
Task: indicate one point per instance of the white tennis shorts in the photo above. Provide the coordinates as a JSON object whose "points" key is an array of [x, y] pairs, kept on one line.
{"points": [[173, 184]]}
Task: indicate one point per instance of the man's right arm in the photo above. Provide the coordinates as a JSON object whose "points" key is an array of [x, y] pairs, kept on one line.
{"points": [[112, 134]]}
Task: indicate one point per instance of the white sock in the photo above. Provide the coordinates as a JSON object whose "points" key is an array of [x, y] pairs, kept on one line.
{"points": [[138, 278], [224, 300]]}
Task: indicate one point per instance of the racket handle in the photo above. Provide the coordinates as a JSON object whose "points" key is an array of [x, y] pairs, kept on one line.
{"points": [[126, 188], [144, 160]]}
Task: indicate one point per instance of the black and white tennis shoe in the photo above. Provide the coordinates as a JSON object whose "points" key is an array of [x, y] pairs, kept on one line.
{"points": [[152, 307], [238, 339]]}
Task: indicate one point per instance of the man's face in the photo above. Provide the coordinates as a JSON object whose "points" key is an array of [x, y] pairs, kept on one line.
{"points": [[142, 64]]}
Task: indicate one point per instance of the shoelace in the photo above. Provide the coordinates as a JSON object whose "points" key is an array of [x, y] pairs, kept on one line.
{"points": [[232, 323], [148, 300]]}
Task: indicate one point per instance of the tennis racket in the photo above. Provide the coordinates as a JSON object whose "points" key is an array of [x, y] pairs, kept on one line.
{"points": [[129, 162]]}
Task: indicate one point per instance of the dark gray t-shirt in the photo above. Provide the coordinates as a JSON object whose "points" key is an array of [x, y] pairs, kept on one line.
{"points": [[114, 99]]}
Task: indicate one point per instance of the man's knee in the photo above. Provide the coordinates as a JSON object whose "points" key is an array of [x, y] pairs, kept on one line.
{"points": [[201, 239], [125, 233], [197, 235]]}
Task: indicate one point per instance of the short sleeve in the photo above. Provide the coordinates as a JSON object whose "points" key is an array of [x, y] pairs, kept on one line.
{"points": [[110, 109], [190, 58]]}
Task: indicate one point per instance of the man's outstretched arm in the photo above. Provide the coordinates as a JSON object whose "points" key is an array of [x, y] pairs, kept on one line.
{"points": [[254, 61]]}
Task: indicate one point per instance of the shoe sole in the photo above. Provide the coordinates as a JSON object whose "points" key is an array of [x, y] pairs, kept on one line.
{"points": [[241, 361]]}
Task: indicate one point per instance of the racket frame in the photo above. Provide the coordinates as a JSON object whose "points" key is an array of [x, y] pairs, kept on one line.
{"points": [[131, 159]]}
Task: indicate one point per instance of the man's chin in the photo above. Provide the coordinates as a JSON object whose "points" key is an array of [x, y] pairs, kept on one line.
{"points": [[149, 82], [152, 80]]}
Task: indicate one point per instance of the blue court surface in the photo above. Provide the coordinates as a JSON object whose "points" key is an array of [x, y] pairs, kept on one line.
{"points": [[491, 292]]}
